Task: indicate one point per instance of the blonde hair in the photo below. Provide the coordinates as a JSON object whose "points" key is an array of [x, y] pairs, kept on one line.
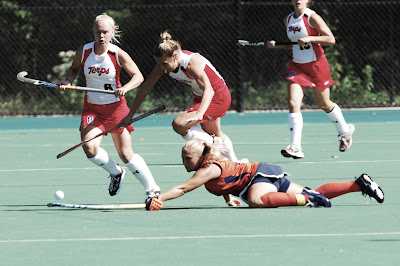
{"points": [[116, 34], [199, 147], [167, 46]]}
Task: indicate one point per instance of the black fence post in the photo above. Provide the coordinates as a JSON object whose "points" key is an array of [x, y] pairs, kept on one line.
{"points": [[239, 59]]}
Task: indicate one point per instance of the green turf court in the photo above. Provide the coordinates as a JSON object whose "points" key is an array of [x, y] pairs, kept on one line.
{"points": [[198, 228]]}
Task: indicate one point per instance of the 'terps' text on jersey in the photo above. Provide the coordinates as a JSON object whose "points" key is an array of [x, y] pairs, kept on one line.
{"points": [[294, 29], [98, 70]]}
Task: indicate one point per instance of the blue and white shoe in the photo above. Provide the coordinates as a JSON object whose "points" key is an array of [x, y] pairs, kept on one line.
{"points": [[316, 199], [370, 188]]}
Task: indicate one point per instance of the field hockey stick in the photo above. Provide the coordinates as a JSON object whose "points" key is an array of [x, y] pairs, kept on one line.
{"points": [[100, 207], [247, 43], [22, 77], [162, 107]]}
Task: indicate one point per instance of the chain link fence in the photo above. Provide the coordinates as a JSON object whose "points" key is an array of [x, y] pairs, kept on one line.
{"points": [[41, 37]]}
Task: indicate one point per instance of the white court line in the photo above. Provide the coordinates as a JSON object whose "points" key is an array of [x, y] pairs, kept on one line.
{"points": [[48, 169], [200, 237], [103, 144], [181, 143], [58, 169], [179, 165], [374, 161]]}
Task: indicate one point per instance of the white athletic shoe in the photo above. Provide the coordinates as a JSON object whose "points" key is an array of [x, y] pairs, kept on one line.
{"points": [[293, 151], [153, 193], [346, 139]]}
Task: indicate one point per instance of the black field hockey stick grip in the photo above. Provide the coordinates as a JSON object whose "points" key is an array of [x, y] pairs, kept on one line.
{"points": [[140, 117], [263, 44]]}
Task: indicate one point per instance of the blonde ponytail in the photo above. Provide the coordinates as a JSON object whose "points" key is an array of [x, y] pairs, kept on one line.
{"points": [[199, 148], [167, 46]]}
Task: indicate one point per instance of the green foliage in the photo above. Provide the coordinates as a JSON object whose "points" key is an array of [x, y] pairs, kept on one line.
{"points": [[60, 71], [351, 89], [271, 96]]}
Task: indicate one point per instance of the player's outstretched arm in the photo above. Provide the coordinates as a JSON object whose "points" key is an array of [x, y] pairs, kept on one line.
{"points": [[202, 176]]}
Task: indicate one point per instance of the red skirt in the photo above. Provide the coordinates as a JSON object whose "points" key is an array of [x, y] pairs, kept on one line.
{"points": [[313, 74], [105, 116], [218, 107]]}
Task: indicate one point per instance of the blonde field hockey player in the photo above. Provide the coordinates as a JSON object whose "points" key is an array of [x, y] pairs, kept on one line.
{"points": [[211, 95], [102, 62]]}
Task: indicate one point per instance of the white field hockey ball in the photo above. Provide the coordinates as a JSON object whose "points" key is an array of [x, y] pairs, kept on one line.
{"points": [[59, 195]]}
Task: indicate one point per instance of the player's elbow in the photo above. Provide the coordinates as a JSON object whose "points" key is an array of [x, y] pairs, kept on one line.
{"points": [[333, 40], [138, 78]]}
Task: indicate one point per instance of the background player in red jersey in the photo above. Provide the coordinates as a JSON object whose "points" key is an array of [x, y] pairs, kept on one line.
{"points": [[309, 68], [102, 62], [212, 97], [260, 185]]}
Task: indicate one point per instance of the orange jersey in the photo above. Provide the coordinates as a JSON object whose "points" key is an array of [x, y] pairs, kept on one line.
{"points": [[235, 177]]}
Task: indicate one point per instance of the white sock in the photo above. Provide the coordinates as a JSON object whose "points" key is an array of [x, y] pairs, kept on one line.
{"points": [[296, 127], [103, 160], [337, 118], [197, 133], [230, 153], [142, 172]]}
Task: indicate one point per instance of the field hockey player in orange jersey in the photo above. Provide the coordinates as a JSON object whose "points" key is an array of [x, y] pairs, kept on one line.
{"points": [[260, 185]]}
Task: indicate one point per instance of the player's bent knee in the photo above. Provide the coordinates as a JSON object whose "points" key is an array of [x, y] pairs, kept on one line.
{"points": [[126, 156], [179, 127], [90, 151], [255, 203]]}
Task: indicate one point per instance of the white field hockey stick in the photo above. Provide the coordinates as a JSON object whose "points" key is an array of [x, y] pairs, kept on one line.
{"points": [[100, 207], [247, 43], [162, 107], [22, 77]]}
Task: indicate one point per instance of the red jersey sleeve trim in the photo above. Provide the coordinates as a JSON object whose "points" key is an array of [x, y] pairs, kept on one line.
{"points": [[113, 57]]}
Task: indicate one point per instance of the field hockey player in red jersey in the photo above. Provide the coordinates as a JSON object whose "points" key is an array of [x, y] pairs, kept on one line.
{"points": [[309, 68], [260, 185], [102, 62], [211, 100]]}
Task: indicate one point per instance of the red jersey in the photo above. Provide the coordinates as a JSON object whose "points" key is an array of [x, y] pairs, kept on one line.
{"points": [[300, 27], [216, 80]]}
